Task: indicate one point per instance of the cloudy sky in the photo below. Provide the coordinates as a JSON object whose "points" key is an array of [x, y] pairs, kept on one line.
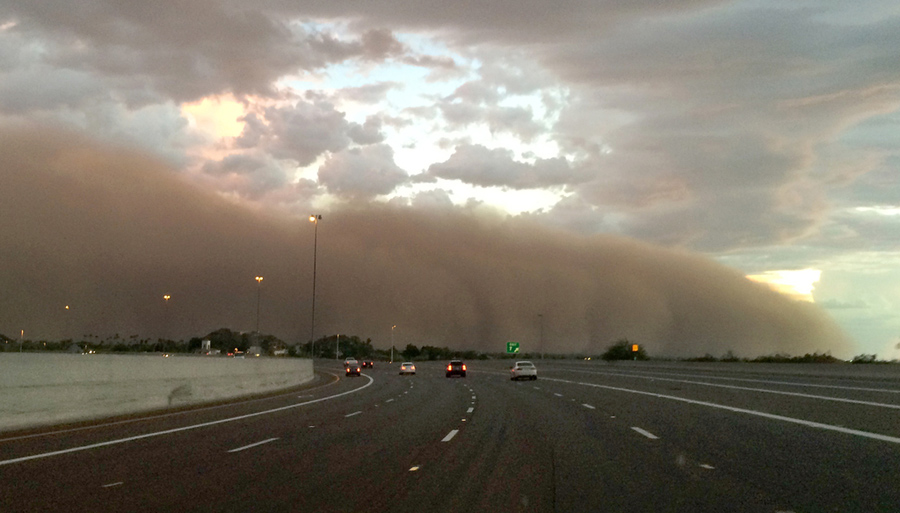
{"points": [[761, 135]]}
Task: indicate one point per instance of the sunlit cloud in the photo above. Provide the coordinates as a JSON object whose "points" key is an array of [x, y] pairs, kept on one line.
{"points": [[216, 116], [796, 284], [880, 210]]}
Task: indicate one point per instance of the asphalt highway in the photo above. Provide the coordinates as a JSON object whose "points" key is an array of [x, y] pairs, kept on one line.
{"points": [[584, 437]]}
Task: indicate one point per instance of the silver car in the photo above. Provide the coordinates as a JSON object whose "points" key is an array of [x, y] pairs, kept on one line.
{"points": [[523, 370], [407, 368]]}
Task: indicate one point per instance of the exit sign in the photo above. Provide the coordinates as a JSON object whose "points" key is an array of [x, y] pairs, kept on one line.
{"points": [[512, 347]]}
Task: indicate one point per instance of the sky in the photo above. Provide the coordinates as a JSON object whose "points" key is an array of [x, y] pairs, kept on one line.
{"points": [[689, 158]]}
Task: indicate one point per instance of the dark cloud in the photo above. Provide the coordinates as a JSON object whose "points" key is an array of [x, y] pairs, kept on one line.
{"points": [[187, 49], [109, 231], [250, 176]]}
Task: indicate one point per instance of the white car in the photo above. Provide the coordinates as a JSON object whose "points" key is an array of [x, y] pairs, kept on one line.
{"points": [[523, 370], [407, 368]]}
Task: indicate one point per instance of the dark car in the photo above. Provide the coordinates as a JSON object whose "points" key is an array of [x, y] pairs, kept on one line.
{"points": [[456, 368], [367, 364], [352, 367]]}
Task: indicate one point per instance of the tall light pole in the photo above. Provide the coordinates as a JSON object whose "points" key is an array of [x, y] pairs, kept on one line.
{"points": [[337, 345], [392, 342], [68, 324], [314, 219], [259, 280], [541, 318], [166, 298]]}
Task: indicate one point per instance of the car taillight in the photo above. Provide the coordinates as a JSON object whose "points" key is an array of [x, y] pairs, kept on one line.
{"points": [[449, 367], [464, 366]]}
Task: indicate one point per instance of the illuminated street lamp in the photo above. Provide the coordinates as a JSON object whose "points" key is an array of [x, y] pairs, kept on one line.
{"points": [[314, 219], [259, 280]]}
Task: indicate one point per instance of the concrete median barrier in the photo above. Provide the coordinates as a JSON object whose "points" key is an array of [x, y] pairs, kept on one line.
{"points": [[39, 389]]}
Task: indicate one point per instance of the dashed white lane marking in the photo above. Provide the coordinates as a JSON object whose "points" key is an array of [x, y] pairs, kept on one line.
{"points": [[537, 388], [389, 400], [352, 414], [450, 435], [470, 410], [180, 429], [253, 445], [772, 416], [473, 397], [588, 406], [648, 434], [557, 395], [766, 390], [413, 469], [765, 381], [707, 466], [110, 485]]}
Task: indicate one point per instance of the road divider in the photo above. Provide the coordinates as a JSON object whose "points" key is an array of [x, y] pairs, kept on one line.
{"points": [[180, 429]]}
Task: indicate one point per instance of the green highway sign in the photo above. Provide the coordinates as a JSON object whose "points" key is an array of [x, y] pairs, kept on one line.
{"points": [[512, 347]]}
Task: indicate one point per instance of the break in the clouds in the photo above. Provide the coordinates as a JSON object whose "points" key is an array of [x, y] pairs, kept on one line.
{"points": [[731, 127]]}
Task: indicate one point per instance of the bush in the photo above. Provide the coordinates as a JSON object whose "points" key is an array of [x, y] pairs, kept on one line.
{"points": [[622, 350]]}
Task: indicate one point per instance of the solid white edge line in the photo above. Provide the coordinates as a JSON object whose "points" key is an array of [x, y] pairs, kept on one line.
{"points": [[809, 423], [648, 434], [253, 445], [450, 435], [110, 485], [176, 430]]}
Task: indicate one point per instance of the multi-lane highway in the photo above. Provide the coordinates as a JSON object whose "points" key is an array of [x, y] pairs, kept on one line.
{"points": [[584, 437]]}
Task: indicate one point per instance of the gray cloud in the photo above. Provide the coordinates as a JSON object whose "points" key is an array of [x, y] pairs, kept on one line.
{"points": [[301, 132], [367, 133], [113, 230], [478, 165], [247, 175], [362, 172]]}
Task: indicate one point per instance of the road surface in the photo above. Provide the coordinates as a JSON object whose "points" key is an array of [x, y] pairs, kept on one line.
{"points": [[584, 437]]}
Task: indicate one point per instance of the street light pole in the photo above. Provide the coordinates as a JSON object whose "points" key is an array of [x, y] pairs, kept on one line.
{"points": [[392, 342], [541, 317], [312, 330], [337, 345], [259, 280], [166, 298]]}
